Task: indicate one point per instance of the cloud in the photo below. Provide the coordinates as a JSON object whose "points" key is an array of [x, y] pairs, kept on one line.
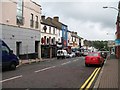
{"points": [[79, 0], [91, 30], [87, 18]]}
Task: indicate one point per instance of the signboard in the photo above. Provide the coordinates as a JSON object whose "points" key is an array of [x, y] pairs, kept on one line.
{"points": [[117, 42], [65, 43], [111, 43]]}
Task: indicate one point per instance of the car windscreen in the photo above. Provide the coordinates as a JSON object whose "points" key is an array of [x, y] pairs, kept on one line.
{"points": [[93, 54]]}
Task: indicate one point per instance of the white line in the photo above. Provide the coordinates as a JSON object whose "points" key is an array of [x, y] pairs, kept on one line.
{"points": [[66, 63], [44, 69], [11, 78], [75, 60]]}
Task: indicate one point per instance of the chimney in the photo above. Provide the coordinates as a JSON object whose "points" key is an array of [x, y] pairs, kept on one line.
{"points": [[43, 17], [56, 19], [76, 33]]}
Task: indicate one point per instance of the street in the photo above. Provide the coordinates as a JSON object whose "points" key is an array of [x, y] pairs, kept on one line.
{"points": [[61, 73]]}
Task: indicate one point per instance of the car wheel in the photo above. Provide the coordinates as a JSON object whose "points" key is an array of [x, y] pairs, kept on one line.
{"points": [[12, 66], [101, 64], [86, 65]]}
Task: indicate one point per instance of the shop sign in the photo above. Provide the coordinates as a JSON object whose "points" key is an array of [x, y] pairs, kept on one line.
{"points": [[117, 42]]}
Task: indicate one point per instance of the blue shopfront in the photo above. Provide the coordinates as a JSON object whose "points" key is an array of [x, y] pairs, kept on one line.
{"points": [[64, 36], [117, 42]]}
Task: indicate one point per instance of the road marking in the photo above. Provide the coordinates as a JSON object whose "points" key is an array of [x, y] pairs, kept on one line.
{"points": [[75, 60], [83, 86], [11, 78], [90, 80], [66, 63], [44, 69], [93, 78]]}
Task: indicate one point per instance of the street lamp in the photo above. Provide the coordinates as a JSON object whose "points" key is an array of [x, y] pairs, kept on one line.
{"points": [[112, 8]]}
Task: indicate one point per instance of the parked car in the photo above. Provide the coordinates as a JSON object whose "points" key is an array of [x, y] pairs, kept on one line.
{"points": [[72, 54], [77, 53], [94, 58], [104, 54], [85, 53], [62, 54], [9, 60]]}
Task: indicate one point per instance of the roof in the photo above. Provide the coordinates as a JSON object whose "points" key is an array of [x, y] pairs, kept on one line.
{"points": [[57, 24], [48, 22], [35, 3]]}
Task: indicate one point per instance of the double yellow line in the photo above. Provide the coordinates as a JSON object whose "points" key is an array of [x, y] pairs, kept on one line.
{"points": [[90, 80]]}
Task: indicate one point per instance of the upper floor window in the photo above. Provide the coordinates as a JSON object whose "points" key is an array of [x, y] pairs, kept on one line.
{"points": [[59, 32], [45, 28], [72, 39], [19, 17], [36, 23], [31, 21], [75, 39], [53, 30], [49, 29]]}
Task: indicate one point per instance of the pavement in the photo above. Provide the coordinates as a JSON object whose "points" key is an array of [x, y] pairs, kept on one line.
{"points": [[29, 61], [108, 77]]}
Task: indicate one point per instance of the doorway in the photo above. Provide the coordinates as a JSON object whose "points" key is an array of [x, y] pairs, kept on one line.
{"points": [[18, 48]]}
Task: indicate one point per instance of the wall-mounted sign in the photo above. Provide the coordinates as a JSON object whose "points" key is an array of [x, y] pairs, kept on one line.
{"points": [[117, 42], [111, 43]]}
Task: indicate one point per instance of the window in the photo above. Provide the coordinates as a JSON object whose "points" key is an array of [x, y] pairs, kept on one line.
{"points": [[72, 39], [44, 39], [45, 28], [47, 40], [5, 49], [19, 17], [93, 54], [54, 40], [31, 21], [75, 39], [53, 30], [49, 29], [36, 23]]}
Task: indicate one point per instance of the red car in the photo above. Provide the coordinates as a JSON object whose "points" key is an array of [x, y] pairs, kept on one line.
{"points": [[94, 58]]}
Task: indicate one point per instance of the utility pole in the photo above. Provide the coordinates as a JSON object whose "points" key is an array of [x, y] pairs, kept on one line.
{"points": [[118, 33]]}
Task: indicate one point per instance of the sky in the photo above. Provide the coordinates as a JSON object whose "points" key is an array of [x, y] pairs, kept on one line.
{"points": [[86, 17]]}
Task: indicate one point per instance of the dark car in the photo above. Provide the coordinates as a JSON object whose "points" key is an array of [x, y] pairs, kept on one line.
{"points": [[9, 59]]}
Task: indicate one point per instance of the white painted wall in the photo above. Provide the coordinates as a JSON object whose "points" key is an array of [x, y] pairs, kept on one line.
{"points": [[47, 34], [26, 36]]}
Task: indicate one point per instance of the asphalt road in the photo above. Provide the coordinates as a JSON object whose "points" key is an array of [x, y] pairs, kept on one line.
{"points": [[61, 73]]}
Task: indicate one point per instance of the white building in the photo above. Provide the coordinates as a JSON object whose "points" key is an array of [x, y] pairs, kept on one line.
{"points": [[20, 24], [49, 37]]}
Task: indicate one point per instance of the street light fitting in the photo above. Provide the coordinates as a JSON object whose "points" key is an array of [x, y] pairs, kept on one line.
{"points": [[112, 8], [105, 7]]}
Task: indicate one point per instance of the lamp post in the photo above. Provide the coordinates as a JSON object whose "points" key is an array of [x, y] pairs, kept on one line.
{"points": [[118, 30], [112, 8]]}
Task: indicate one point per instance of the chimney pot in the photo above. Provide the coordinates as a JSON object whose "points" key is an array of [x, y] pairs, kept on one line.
{"points": [[43, 17], [56, 19]]}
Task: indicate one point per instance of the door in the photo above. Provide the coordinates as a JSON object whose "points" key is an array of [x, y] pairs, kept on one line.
{"points": [[37, 48], [18, 48]]}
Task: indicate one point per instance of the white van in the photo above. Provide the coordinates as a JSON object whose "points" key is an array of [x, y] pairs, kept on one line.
{"points": [[62, 54]]}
